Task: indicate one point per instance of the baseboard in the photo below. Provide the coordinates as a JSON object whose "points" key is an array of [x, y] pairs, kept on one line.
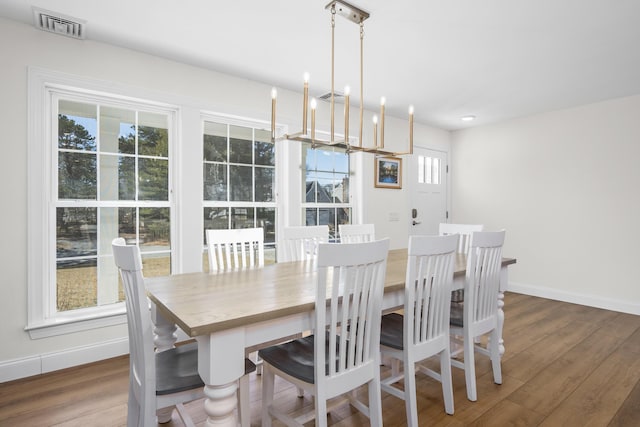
{"points": [[48, 362], [612, 304], [34, 365]]}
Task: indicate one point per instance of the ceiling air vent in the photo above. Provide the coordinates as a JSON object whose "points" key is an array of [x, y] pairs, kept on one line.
{"points": [[337, 96], [58, 23]]}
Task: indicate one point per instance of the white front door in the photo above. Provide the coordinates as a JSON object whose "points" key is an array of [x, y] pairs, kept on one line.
{"points": [[428, 191]]}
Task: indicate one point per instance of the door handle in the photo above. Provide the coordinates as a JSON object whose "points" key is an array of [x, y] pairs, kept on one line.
{"points": [[416, 222]]}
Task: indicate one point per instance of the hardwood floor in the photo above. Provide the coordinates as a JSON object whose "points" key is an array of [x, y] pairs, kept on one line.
{"points": [[565, 365]]}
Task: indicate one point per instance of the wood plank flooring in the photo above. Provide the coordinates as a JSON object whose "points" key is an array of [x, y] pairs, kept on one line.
{"points": [[565, 365]]}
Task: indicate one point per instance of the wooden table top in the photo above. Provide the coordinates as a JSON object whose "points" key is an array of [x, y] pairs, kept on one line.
{"points": [[202, 303]]}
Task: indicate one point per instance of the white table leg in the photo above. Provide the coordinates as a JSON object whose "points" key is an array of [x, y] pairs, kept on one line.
{"points": [[221, 364], [504, 282], [164, 331]]}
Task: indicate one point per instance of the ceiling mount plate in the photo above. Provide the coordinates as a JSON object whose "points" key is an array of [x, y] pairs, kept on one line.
{"points": [[349, 11]]}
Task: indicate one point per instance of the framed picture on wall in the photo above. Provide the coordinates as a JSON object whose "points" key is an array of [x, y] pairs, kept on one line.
{"points": [[388, 172]]}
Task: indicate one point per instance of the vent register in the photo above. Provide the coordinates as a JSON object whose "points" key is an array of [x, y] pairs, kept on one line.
{"points": [[59, 24]]}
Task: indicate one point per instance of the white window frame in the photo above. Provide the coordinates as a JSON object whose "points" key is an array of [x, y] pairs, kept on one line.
{"points": [[43, 320]]}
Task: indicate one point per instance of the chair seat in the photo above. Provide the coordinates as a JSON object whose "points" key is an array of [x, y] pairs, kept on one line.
{"points": [[294, 358], [457, 317], [177, 369], [391, 331]]}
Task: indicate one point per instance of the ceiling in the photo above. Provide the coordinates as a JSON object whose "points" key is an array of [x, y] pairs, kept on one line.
{"points": [[494, 59]]}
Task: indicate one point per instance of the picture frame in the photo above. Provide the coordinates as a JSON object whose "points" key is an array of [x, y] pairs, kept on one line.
{"points": [[388, 172]]}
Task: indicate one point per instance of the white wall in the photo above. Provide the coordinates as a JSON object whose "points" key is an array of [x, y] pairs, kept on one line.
{"points": [[565, 186], [22, 46]]}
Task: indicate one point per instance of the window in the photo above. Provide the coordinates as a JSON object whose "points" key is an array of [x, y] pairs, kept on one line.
{"points": [[326, 198], [239, 172], [105, 174], [429, 170]]}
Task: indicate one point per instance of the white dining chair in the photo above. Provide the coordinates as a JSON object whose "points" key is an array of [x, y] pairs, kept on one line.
{"points": [[159, 380], [422, 331], [356, 233], [464, 231], [301, 243], [479, 313], [344, 354], [236, 249]]}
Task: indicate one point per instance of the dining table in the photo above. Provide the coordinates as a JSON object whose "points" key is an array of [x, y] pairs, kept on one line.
{"points": [[230, 312]]}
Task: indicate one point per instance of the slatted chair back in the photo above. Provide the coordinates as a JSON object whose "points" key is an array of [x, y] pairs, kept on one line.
{"points": [[301, 243], [357, 233], [464, 230], [350, 284], [484, 263], [142, 368], [236, 249]]}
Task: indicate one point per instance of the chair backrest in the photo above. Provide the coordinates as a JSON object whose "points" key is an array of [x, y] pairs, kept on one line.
{"points": [[484, 263], [237, 249], [429, 278], [357, 233], [349, 301], [464, 230], [141, 348], [301, 243]]}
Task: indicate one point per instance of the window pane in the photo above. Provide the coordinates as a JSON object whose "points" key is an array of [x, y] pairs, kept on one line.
{"points": [[215, 219], [240, 185], [324, 159], [155, 265], [215, 181], [265, 149], [215, 142], [127, 224], [265, 183], [309, 158], [343, 216], [240, 144], [153, 135], [153, 179], [77, 124], [117, 130], [341, 188], [325, 187], [421, 169], [117, 178], [311, 186], [436, 170], [76, 232], [311, 216], [266, 218], [77, 176], [341, 162], [327, 216], [242, 218], [76, 284], [154, 229]]}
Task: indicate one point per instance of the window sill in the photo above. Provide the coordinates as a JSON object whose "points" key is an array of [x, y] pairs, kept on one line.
{"points": [[67, 324]]}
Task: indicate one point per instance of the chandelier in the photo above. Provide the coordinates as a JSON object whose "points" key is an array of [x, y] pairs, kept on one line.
{"points": [[308, 134]]}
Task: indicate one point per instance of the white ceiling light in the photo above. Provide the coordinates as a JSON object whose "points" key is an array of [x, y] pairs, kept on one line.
{"points": [[467, 118]]}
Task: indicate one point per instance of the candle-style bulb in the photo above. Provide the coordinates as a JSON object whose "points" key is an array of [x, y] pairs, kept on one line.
{"points": [[305, 76], [347, 91], [383, 100], [274, 93], [411, 109], [375, 120], [314, 104]]}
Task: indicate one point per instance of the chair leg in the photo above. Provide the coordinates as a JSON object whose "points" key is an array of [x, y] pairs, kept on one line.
{"points": [[268, 379], [164, 415], [133, 409], [375, 401], [470, 368], [494, 352], [410, 400], [244, 413], [447, 383], [321, 412]]}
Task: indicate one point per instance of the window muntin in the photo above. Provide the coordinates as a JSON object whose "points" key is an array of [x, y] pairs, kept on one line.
{"points": [[429, 170], [112, 179], [326, 198], [239, 173]]}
